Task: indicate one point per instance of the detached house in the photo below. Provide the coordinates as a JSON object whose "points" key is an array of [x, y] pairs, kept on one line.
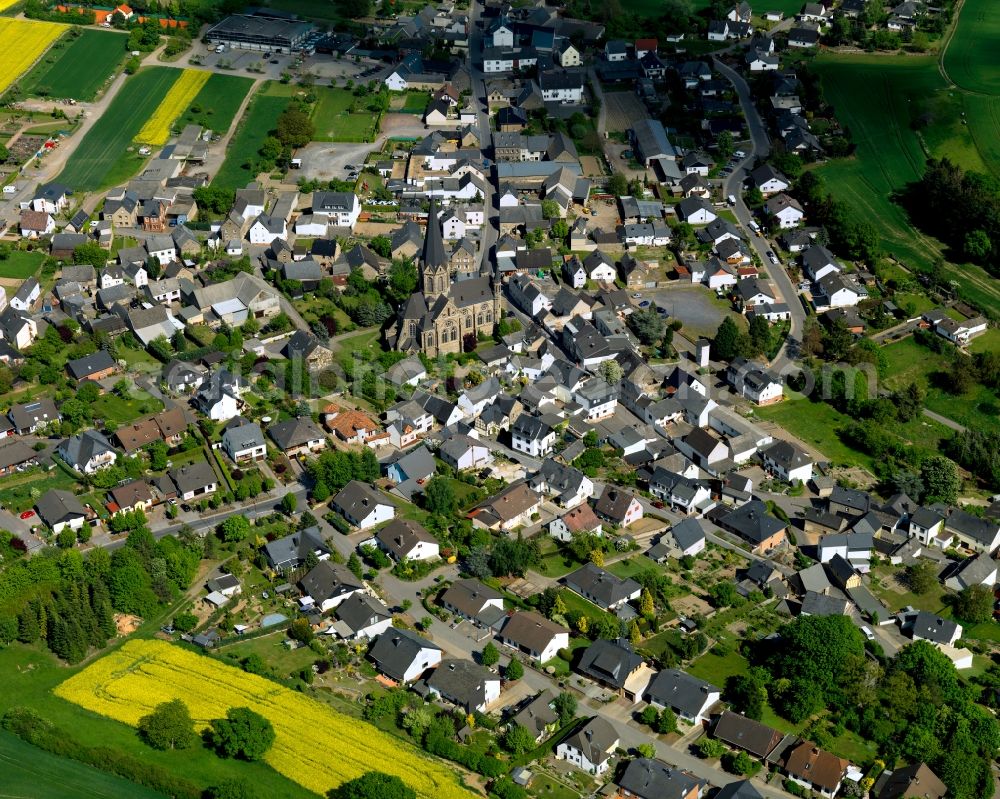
{"points": [[362, 505], [690, 698], [618, 506], [329, 584], [474, 601], [29, 417], [403, 656], [531, 435], [404, 539], [815, 769], [534, 635], [244, 442], [298, 436], [590, 746], [646, 778], [60, 510], [88, 452], [601, 587]]}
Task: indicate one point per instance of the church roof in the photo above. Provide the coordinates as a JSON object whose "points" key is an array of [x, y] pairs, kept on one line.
{"points": [[434, 253]]}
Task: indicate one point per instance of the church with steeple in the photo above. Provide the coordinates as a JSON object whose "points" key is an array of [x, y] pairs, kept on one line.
{"points": [[448, 307]]}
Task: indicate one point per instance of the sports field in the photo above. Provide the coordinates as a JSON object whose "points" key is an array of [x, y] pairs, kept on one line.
{"points": [[22, 41], [238, 170], [216, 104], [77, 67], [972, 59], [103, 157], [335, 121], [29, 771]]}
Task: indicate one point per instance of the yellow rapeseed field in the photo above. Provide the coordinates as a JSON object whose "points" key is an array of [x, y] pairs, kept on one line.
{"points": [[314, 745], [157, 128], [22, 41]]}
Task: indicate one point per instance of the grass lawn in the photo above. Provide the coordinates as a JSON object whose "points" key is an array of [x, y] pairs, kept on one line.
{"points": [[29, 771], [136, 357], [31, 674], [668, 640], [259, 119], [821, 426], [909, 362], [366, 339], [987, 342], [576, 602], [21, 264], [77, 67], [920, 302], [106, 156], [415, 102], [630, 566], [215, 106], [15, 489], [274, 652], [544, 787], [931, 601], [116, 411], [554, 563], [337, 117], [716, 668]]}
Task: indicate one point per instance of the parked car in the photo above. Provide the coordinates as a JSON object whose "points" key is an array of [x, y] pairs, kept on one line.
{"points": [[868, 633], [27, 514], [772, 257]]}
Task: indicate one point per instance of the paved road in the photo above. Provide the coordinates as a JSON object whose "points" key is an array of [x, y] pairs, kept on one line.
{"points": [[951, 423], [761, 148], [491, 230]]}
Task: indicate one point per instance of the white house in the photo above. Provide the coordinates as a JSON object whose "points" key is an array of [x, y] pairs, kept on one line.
{"points": [[360, 617], [266, 229], [452, 226], [531, 435], [363, 506], [574, 272], [340, 208], [33, 224], [528, 296], [88, 452], [404, 539], [788, 461], [26, 294], [786, 210], [534, 635], [769, 180], [462, 452], [961, 332], [590, 748], [599, 268], [162, 248], [403, 655], [244, 443], [690, 698], [561, 87], [51, 198]]}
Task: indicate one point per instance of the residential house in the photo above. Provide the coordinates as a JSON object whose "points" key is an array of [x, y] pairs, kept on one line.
{"points": [[293, 550], [924, 626], [60, 510], [751, 736], [29, 417], [646, 778], [362, 505], [618, 506], [753, 524], [26, 295], [194, 480], [567, 484], [299, 436], [590, 747], [244, 442], [361, 617], [513, 507], [538, 717], [980, 535], [404, 539], [785, 210], [88, 452], [132, 496], [915, 781], [328, 584], [687, 696], [601, 587], [465, 684], [403, 655], [531, 435], [475, 601], [95, 366], [788, 461], [579, 520], [534, 635], [768, 180], [815, 769]]}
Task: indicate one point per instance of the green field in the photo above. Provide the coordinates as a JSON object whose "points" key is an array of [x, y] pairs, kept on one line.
{"points": [[21, 264], [972, 59], [77, 67], [258, 120], [218, 101], [820, 425], [29, 677], [909, 362], [103, 158], [29, 771], [881, 99], [335, 121]]}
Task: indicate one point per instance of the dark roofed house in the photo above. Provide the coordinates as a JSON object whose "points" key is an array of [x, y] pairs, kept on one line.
{"points": [[402, 655], [915, 781], [362, 505], [328, 584], [604, 589], [590, 746], [534, 635], [739, 790], [537, 716], [753, 524], [618, 506], [297, 436], [474, 600], [95, 366], [60, 509], [361, 616], [743, 733], [646, 778], [291, 551], [464, 683], [405, 539], [689, 697], [616, 665]]}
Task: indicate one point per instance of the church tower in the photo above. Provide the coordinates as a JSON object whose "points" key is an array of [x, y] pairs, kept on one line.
{"points": [[434, 259]]}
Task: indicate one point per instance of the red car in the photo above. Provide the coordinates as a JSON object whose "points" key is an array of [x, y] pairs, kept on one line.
{"points": [[659, 505], [27, 514]]}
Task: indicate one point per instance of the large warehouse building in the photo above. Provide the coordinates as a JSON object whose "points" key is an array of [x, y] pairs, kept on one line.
{"points": [[261, 33]]}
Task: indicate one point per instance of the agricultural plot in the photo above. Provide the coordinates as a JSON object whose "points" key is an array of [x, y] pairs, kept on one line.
{"points": [[29, 771], [882, 100], [336, 121], [22, 42], [972, 59], [76, 67], [156, 131], [104, 156], [216, 104], [239, 167], [314, 746]]}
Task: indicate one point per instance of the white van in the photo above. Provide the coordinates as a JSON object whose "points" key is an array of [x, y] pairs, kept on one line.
{"points": [[732, 199], [753, 226]]}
